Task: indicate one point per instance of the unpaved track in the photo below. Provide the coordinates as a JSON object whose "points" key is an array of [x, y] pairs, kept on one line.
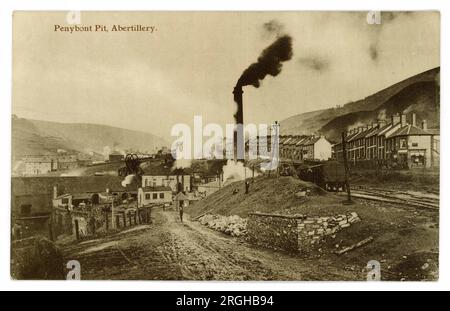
{"points": [[171, 250]]}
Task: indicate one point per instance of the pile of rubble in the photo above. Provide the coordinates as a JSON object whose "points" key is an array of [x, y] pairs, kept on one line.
{"points": [[231, 225]]}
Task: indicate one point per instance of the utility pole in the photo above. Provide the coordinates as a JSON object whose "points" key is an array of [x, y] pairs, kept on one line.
{"points": [[347, 184], [113, 214]]}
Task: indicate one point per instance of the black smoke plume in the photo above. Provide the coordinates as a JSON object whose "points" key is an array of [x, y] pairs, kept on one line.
{"points": [[269, 62]]}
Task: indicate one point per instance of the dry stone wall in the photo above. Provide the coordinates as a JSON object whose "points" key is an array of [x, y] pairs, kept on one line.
{"points": [[295, 233]]}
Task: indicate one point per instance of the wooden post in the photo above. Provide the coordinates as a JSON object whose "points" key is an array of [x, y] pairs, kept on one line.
{"points": [[50, 232], [113, 214], [347, 184], [124, 220], [106, 220], [77, 229], [93, 225], [50, 227]]}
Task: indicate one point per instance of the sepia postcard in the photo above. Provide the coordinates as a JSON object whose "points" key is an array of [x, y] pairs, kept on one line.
{"points": [[238, 146]]}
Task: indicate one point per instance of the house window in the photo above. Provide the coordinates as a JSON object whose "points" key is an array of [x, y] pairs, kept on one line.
{"points": [[415, 144], [403, 143], [154, 184], [147, 196], [161, 195], [155, 196]]}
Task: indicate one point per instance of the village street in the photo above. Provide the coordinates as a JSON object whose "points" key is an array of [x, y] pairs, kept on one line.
{"points": [[171, 250]]}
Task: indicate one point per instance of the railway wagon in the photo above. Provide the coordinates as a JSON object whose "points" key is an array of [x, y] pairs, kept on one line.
{"points": [[329, 175]]}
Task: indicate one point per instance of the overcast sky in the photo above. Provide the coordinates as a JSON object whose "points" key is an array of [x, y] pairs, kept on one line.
{"points": [[190, 65]]}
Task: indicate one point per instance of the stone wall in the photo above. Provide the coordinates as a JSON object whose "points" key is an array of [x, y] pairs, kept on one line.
{"points": [[294, 233], [311, 230], [273, 231], [97, 220]]}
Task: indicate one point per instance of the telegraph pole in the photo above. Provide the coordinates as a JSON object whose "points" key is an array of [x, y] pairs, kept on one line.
{"points": [[347, 184]]}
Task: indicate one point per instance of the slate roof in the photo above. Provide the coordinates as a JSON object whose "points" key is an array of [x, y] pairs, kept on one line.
{"points": [[69, 184], [362, 134], [157, 188], [409, 130], [163, 170], [379, 130], [302, 141], [350, 137], [181, 197]]}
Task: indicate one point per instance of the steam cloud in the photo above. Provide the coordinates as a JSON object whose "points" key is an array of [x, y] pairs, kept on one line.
{"points": [[235, 171], [128, 180], [269, 62]]}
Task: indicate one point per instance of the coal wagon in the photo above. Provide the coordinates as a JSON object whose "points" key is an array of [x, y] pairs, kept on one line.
{"points": [[329, 175]]}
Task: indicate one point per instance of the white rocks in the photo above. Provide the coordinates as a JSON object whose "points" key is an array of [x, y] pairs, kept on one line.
{"points": [[231, 225]]}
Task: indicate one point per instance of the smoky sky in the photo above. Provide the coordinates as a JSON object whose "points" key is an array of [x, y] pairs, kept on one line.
{"points": [[190, 66], [273, 28], [374, 49], [314, 63], [270, 62]]}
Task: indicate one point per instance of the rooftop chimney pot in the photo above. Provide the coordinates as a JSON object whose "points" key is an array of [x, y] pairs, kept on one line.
{"points": [[413, 119], [395, 119], [424, 125], [403, 120]]}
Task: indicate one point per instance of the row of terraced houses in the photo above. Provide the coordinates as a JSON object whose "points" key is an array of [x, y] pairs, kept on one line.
{"points": [[396, 143]]}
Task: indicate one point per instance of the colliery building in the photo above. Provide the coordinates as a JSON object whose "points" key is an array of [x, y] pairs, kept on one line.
{"points": [[397, 143]]}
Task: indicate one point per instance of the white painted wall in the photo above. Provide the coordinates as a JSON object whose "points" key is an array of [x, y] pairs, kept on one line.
{"points": [[322, 149]]}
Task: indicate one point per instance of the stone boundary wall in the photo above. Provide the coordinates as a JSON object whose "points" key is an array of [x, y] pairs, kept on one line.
{"points": [[97, 221], [279, 232], [294, 233]]}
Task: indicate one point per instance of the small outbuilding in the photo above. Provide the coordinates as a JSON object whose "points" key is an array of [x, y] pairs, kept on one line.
{"points": [[180, 200]]}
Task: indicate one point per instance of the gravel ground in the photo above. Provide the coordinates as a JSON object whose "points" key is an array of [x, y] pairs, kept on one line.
{"points": [[170, 250]]}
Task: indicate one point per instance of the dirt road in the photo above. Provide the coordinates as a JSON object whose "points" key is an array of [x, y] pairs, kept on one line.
{"points": [[171, 250]]}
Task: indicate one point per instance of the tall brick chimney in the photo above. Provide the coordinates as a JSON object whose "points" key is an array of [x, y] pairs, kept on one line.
{"points": [[239, 118]]}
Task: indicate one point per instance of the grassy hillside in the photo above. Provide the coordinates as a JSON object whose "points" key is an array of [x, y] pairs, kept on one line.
{"points": [[267, 194], [420, 97], [317, 121], [41, 137]]}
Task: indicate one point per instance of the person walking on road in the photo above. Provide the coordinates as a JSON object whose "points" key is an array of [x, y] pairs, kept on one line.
{"points": [[181, 213]]}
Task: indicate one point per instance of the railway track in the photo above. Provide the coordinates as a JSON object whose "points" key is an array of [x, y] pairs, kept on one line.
{"points": [[411, 198]]}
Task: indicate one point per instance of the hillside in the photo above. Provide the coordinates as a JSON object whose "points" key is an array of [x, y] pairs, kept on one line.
{"points": [[422, 85], [404, 238], [420, 98], [267, 194], [42, 137]]}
